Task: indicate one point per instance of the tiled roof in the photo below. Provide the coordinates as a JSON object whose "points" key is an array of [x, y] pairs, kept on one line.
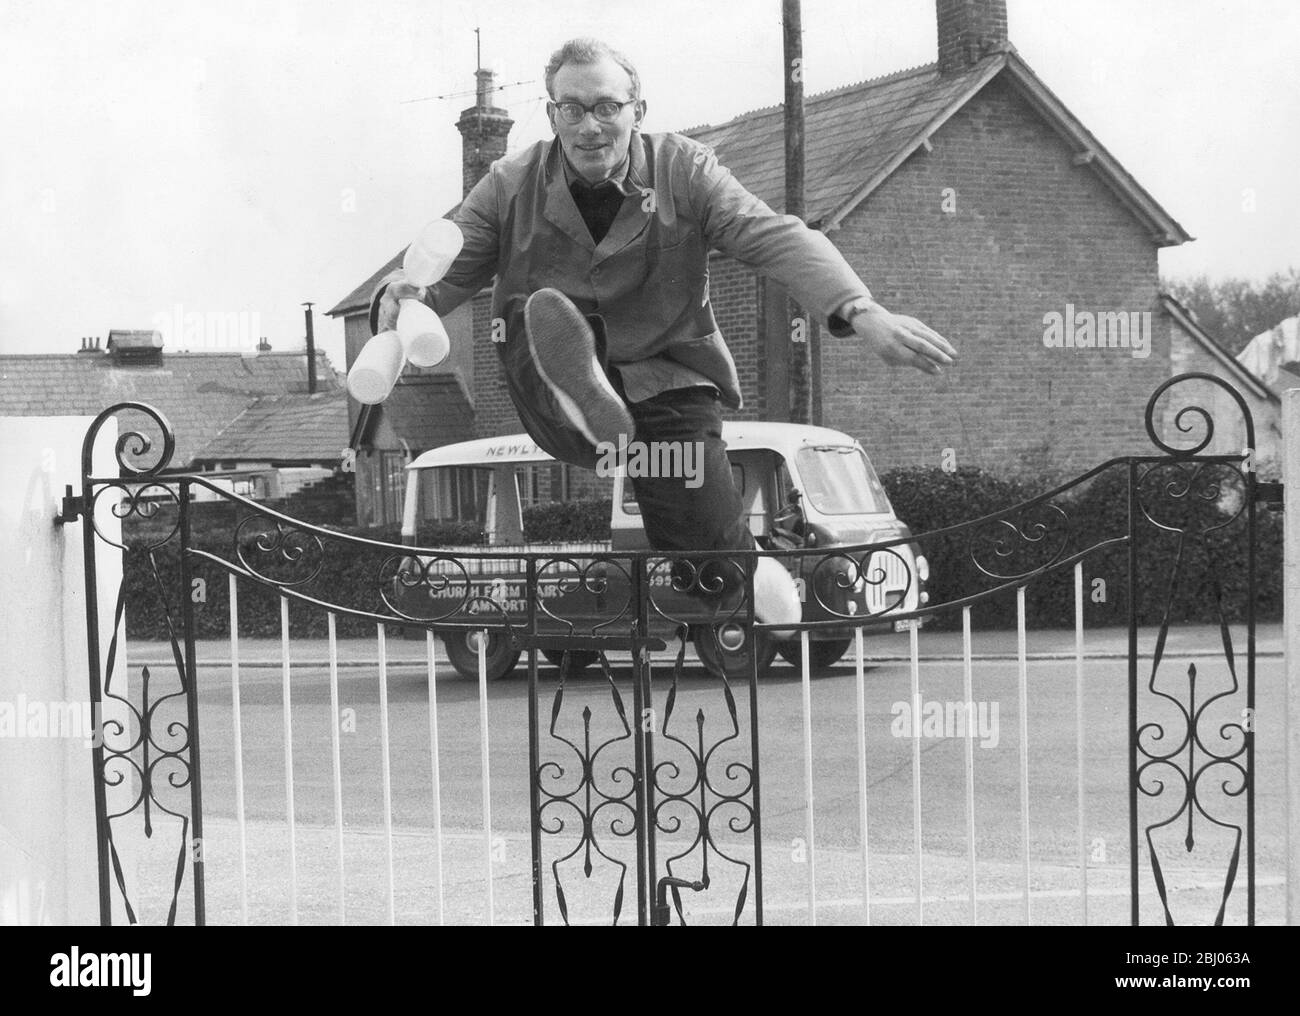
{"points": [[285, 428], [426, 411], [198, 393], [850, 135]]}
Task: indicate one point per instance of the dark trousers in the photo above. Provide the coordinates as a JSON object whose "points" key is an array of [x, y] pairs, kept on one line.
{"points": [[677, 515]]}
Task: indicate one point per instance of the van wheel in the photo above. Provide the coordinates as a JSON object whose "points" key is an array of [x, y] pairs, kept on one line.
{"points": [[821, 655], [579, 659], [462, 651], [727, 647]]}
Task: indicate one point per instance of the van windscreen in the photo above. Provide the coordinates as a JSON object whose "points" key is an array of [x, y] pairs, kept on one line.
{"points": [[838, 480]]}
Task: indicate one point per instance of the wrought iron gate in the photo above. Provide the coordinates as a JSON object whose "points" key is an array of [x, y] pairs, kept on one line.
{"points": [[636, 795]]}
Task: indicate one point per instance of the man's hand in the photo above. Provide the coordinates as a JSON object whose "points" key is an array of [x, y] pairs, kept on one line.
{"points": [[902, 341], [398, 289]]}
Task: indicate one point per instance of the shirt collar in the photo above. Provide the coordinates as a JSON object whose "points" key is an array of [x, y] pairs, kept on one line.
{"points": [[620, 178]]}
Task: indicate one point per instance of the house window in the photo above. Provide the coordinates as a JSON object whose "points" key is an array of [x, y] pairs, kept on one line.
{"points": [[543, 484]]}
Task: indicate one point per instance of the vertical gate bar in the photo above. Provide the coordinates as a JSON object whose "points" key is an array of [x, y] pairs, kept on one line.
{"points": [[238, 731], [1132, 693], [757, 815], [1023, 694], [969, 694], [386, 771], [436, 773], [915, 654], [862, 774], [484, 757], [191, 678], [534, 748], [1291, 649], [1250, 691], [93, 664], [806, 705], [641, 751], [286, 714], [336, 760], [1078, 738]]}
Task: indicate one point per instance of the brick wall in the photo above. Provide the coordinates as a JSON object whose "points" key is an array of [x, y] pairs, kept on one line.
{"points": [[1028, 233], [734, 292]]}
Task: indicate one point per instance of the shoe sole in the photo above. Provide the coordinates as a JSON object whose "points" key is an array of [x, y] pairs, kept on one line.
{"points": [[564, 352]]}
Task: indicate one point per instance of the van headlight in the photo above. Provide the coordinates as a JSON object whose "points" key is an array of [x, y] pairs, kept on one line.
{"points": [[922, 568]]}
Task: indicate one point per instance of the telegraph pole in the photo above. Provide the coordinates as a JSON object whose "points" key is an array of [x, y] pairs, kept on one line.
{"points": [[801, 376]]}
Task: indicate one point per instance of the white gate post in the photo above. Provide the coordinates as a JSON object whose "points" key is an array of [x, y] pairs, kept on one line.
{"points": [[1291, 642], [48, 859]]}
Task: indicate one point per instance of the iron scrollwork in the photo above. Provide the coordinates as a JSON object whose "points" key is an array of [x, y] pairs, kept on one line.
{"points": [[1196, 499]]}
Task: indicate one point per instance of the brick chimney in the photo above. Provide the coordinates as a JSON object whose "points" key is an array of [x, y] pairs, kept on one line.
{"points": [[970, 30], [483, 130]]}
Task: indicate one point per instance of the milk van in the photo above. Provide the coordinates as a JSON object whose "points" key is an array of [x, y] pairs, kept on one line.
{"points": [[801, 486]]}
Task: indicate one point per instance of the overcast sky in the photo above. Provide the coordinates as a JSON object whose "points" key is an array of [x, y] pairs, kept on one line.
{"points": [[228, 157]]}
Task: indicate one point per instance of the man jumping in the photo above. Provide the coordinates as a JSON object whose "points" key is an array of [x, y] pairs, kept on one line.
{"points": [[599, 243]]}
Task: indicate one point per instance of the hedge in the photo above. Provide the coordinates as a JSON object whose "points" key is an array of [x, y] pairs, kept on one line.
{"points": [[931, 499]]}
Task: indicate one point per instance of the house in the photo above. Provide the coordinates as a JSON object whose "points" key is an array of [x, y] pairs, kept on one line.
{"points": [[963, 192], [246, 419], [280, 445]]}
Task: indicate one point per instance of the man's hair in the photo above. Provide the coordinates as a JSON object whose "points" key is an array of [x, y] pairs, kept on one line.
{"points": [[588, 51]]}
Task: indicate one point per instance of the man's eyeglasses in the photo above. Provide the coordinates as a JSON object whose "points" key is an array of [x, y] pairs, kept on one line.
{"points": [[606, 112]]}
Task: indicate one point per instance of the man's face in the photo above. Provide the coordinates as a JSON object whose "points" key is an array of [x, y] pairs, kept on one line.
{"points": [[596, 149]]}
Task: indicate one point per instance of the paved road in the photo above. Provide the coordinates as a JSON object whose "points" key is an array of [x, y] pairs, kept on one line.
{"points": [[1053, 829]]}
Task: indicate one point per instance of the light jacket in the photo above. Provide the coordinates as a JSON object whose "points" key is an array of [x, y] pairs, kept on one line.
{"points": [[648, 278]]}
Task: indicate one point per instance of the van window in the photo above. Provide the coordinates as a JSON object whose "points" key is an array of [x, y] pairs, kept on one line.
{"points": [[453, 494], [838, 480]]}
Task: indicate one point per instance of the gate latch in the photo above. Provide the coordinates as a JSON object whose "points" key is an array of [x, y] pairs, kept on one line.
{"points": [[662, 913], [73, 507], [1269, 494]]}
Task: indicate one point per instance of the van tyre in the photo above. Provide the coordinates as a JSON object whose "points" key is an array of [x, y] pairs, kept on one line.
{"points": [[719, 651], [821, 655], [462, 651]]}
